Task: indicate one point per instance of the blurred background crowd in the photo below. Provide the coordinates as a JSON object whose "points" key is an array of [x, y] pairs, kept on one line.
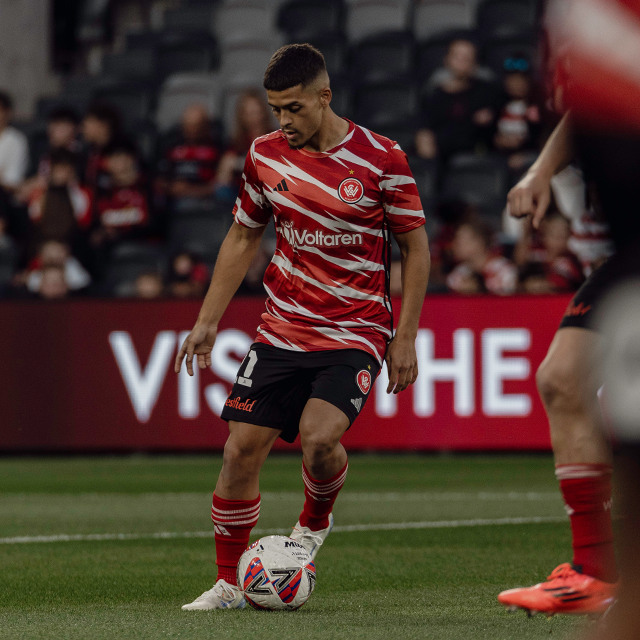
{"points": [[123, 183]]}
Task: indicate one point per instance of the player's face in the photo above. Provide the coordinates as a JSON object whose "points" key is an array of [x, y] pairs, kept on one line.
{"points": [[299, 112]]}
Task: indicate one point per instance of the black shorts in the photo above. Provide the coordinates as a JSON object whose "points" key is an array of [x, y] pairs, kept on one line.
{"points": [[273, 385], [584, 305]]}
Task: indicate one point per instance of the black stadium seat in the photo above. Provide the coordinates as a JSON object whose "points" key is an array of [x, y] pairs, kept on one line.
{"points": [[385, 103], [506, 18], [385, 56], [131, 64], [128, 261], [334, 48], [201, 234], [402, 132], [198, 17], [133, 100], [303, 19], [480, 181]]}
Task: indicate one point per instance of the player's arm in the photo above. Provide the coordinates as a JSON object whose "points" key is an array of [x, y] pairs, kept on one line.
{"points": [[236, 253], [402, 363], [531, 196]]}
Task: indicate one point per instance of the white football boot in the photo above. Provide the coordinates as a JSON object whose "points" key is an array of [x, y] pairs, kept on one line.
{"points": [[222, 596], [311, 540]]}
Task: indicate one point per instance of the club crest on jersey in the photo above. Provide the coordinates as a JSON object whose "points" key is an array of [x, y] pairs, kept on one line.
{"points": [[364, 381], [351, 190]]}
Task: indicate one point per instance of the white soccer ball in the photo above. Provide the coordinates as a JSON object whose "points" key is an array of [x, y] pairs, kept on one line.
{"points": [[276, 573]]}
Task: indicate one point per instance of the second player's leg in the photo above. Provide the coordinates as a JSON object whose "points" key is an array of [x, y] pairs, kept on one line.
{"points": [[568, 383]]}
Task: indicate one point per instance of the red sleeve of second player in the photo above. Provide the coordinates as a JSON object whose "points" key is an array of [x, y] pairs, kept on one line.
{"points": [[252, 209], [400, 197]]}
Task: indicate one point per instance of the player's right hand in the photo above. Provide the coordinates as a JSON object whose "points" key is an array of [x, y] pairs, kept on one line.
{"points": [[198, 343], [530, 197]]}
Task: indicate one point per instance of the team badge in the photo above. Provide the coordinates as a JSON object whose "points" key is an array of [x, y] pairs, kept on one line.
{"points": [[351, 190], [364, 381]]}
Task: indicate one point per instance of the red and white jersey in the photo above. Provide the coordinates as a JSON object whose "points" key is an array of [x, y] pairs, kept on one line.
{"points": [[326, 280]]}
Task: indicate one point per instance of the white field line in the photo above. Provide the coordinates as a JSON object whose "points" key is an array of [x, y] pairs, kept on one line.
{"points": [[386, 526]]}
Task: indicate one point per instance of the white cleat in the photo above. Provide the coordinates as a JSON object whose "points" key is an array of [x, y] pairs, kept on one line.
{"points": [[222, 596], [311, 540]]}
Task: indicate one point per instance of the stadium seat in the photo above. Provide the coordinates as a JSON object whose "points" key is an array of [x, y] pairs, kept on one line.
{"points": [[403, 132], [183, 89], [8, 263], [45, 106], [244, 63], [187, 53], [202, 234], [134, 101], [497, 51], [430, 53], [128, 261], [133, 64], [425, 174], [342, 96], [304, 19], [505, 18], [385, 103], [243, 20], [480, 181], [368, 17], [334, 48], [197, 17], [431, 17], [385, 56]]}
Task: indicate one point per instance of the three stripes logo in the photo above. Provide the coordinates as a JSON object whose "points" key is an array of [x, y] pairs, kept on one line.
{"points": [[357, 403], [282, 186]]}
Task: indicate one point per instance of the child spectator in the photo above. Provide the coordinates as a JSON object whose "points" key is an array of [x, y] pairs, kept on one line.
{"points": [[124, 209], [252, 120], [518, 124], [60, 208], [55, 254], [53, 285], [188, 277], [190, 164], [479, 269], [148, 285], [101, 127], [561, 267], [62, 133], [460, 112]]}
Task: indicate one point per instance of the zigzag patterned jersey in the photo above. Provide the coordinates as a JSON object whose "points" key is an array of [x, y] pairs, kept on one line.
{"points": [[326, 281]]}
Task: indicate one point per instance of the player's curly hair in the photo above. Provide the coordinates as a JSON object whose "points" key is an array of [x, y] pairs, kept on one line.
{"points": [[292, 65]]}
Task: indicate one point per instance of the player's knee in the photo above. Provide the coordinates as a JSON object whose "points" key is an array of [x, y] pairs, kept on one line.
{"points": [[558, 383], [318, 448], [241, 453]]}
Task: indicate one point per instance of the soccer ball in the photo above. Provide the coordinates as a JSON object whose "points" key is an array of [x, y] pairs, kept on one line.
{"points": [[276, 573]]}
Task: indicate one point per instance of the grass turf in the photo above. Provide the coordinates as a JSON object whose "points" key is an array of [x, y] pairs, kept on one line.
{"points": [[424, 583]]}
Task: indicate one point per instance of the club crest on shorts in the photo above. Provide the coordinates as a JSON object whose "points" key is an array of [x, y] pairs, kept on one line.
{"points": [[351, 190], [363, 380]]}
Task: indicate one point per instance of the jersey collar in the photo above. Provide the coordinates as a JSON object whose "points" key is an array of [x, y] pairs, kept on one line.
{"points": [[330, 152]]}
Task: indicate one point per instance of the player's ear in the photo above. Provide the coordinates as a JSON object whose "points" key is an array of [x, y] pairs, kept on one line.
{"points": [[325, 97]]}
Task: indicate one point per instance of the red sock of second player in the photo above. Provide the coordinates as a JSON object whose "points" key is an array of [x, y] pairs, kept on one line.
{"points": [[320, 496]]}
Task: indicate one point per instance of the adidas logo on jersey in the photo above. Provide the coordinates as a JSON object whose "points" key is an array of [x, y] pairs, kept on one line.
{"points": [[357, 403], [281, 186], [317, 238]]}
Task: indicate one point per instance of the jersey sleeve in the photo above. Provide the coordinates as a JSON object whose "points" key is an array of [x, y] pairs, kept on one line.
{"points": [[252, 208], [400, 198]]}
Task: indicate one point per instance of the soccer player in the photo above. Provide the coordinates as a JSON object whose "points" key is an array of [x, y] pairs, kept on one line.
{"points": [[334, 190]]}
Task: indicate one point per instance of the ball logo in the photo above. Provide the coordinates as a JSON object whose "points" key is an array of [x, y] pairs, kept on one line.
{"points": [[364, 381], [351, 190]]}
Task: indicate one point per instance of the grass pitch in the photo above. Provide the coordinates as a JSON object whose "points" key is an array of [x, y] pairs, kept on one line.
{"points": [[423, 582]]}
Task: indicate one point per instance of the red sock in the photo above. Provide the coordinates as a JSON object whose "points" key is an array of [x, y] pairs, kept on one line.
{"points": [[233, 520], [586, 489], [320, 496]]}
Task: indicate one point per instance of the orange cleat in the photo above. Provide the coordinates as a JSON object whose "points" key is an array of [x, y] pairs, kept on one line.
{"points": [[566, 591]]}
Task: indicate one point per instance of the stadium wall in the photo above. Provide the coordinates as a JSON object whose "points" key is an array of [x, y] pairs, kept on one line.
{"points": [[98, 376]]}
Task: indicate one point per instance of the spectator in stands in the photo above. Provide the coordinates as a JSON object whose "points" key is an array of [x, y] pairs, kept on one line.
{"points": [[14, 154], [101, 127], [188, 277], [148, 285], [6, 241], [189, 165], [518, 126], [55, 254], [60, 209], [53, 285], [479, 268], [549, 249], [62, 133], [460, 112], [252, 120]]}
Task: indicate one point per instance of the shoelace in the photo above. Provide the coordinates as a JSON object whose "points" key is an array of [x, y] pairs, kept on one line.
{"points": [[221, 589], [564, 571]]}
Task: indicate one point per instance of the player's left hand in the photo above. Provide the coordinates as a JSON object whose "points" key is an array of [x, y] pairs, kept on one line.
{"points": [[402, 364]]}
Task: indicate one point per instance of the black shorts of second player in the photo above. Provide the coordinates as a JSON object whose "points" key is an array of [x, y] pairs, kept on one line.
{"points": [[583, 307], [273, 385]]}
